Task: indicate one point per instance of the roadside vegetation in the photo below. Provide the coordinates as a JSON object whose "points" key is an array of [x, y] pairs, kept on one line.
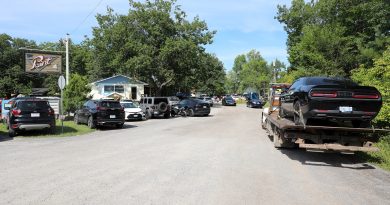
{"points": [[70, 129]]}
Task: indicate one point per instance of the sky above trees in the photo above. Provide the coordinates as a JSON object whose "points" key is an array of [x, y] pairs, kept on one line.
{"points": [[241, 25]]}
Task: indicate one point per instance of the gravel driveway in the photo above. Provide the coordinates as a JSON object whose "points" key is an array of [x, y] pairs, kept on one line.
{"points": [[225, 158]]}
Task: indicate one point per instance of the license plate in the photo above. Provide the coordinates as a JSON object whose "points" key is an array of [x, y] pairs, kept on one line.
{"points": [[35, 115], [345, 109], [135, 115], [112, 116], [204, 106]]}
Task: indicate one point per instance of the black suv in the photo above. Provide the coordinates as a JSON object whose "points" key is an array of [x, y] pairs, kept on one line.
{"points": [[100, 112], [30, 114]]}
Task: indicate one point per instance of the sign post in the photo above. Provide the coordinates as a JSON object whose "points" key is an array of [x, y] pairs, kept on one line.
{"points": [[61, 85]]}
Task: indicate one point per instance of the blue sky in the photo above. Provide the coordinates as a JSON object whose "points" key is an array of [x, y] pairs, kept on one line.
{"points": [[241, 25]]}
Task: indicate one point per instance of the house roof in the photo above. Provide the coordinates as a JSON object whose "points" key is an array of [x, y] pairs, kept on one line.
{"points": [[119, 79]]}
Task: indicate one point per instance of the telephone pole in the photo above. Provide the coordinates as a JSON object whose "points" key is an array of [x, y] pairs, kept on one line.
{"points": [[67, 58]]}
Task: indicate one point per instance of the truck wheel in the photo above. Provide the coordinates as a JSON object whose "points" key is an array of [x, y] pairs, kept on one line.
{"points": [[277, 140]]}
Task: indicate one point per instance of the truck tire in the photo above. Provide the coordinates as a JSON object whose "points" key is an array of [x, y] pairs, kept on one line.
{"points": [[91, 123]]}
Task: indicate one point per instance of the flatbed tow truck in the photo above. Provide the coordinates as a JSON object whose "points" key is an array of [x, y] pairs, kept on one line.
{"points": [[286, 134]]}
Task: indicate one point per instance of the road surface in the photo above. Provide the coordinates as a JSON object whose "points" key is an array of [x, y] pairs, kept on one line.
{"points": [[225, 158]]}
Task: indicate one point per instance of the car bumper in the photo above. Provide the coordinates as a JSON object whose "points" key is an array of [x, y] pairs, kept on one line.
{"points": [[134, 116], [202, 112]]}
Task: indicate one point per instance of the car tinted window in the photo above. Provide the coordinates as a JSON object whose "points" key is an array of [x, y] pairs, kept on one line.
{"points": [[329, 81], [158, 100], [229, 98], [128, 105], [32, 105], [110, 104]]}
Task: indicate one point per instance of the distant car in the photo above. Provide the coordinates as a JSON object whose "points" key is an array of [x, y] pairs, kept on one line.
{"points": [[330, 98], [96, 113], [253, 100], [195, 106], [228, 100], [208, 100], [132, 110], [30, 114]]}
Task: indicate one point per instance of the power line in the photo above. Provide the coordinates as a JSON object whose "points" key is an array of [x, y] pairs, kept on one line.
{"points": [[85, 19]]}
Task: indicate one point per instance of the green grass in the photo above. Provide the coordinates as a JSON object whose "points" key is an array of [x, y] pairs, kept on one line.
{"points": [[381, 158], [70, 129]]}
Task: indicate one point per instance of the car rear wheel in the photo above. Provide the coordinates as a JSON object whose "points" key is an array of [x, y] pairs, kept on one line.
{"points": [[119, 126], [298, 116], [191, 112], [76, 119], [91, 123], [11, 132]]}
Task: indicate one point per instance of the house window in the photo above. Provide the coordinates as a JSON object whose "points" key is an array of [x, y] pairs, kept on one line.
{"points": [[114, 88], [108, 88]]}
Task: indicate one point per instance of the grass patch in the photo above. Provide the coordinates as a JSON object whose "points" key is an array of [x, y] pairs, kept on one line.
{"points": [[240, 101], [381, 158], [70, 129]]}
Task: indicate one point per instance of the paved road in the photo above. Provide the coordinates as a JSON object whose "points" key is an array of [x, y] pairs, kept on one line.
{"points": [[222, 159]]}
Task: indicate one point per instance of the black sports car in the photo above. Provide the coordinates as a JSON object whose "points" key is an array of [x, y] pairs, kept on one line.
{"points": [[328, 98]]}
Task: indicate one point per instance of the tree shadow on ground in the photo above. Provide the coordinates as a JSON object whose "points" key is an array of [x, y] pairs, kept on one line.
{"points": [[108, 128]]}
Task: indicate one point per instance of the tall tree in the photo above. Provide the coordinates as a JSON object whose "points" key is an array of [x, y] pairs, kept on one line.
{"points": [[153, 42], [333, 37]]}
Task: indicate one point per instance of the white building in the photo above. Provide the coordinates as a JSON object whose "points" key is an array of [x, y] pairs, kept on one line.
{"points": [[118, 87]]}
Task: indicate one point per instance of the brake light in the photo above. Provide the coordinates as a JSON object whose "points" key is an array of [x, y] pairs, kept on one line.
{"points": [[16, 113], [51, 112], [325, 94], [366, 95]]}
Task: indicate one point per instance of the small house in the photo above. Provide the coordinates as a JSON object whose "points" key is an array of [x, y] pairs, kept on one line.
{"points": [[118, 87]]}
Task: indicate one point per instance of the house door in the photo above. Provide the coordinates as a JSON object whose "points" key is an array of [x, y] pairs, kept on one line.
{"points": [[134, 93]]}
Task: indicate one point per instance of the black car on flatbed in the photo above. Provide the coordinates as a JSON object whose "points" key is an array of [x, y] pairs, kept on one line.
{"points": [[30, 114], [332, 99], [100, 112]]}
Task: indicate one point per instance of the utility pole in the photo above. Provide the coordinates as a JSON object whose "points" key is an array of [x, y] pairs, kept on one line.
{"points": [[273, 65], [67, 58]]}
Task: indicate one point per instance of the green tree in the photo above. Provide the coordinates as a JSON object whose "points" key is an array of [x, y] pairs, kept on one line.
{"points": [[379, 77], [154, 42], [75, 92], [333, 37]]}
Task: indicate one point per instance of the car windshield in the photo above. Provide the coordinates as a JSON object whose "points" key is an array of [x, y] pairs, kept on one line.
{"points": [[229, 98], [330, 81], [32, 105], [128, 105], [110, 104], [255, 96], [207, 98]]}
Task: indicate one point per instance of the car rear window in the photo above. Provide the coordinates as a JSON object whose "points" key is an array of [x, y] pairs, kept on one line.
{"points": [[128, 105], [32, 105], [110, 104], [158, 100], [329, 81]]}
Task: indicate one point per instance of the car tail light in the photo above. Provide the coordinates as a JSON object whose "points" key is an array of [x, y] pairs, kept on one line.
{"points": [[51, 112], [14, 126], [16, 113], [366, 95], [325, 94]]}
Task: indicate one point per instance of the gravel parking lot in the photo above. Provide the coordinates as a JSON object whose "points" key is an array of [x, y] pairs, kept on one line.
{"points": [[225, 158]]}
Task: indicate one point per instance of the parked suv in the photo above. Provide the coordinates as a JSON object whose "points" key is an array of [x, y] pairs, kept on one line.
{"points": [[30, 114], [155, 106], [100, 112]]}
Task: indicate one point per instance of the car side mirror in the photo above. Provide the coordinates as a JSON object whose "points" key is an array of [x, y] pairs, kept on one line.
{"points": [[7, 106]]}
